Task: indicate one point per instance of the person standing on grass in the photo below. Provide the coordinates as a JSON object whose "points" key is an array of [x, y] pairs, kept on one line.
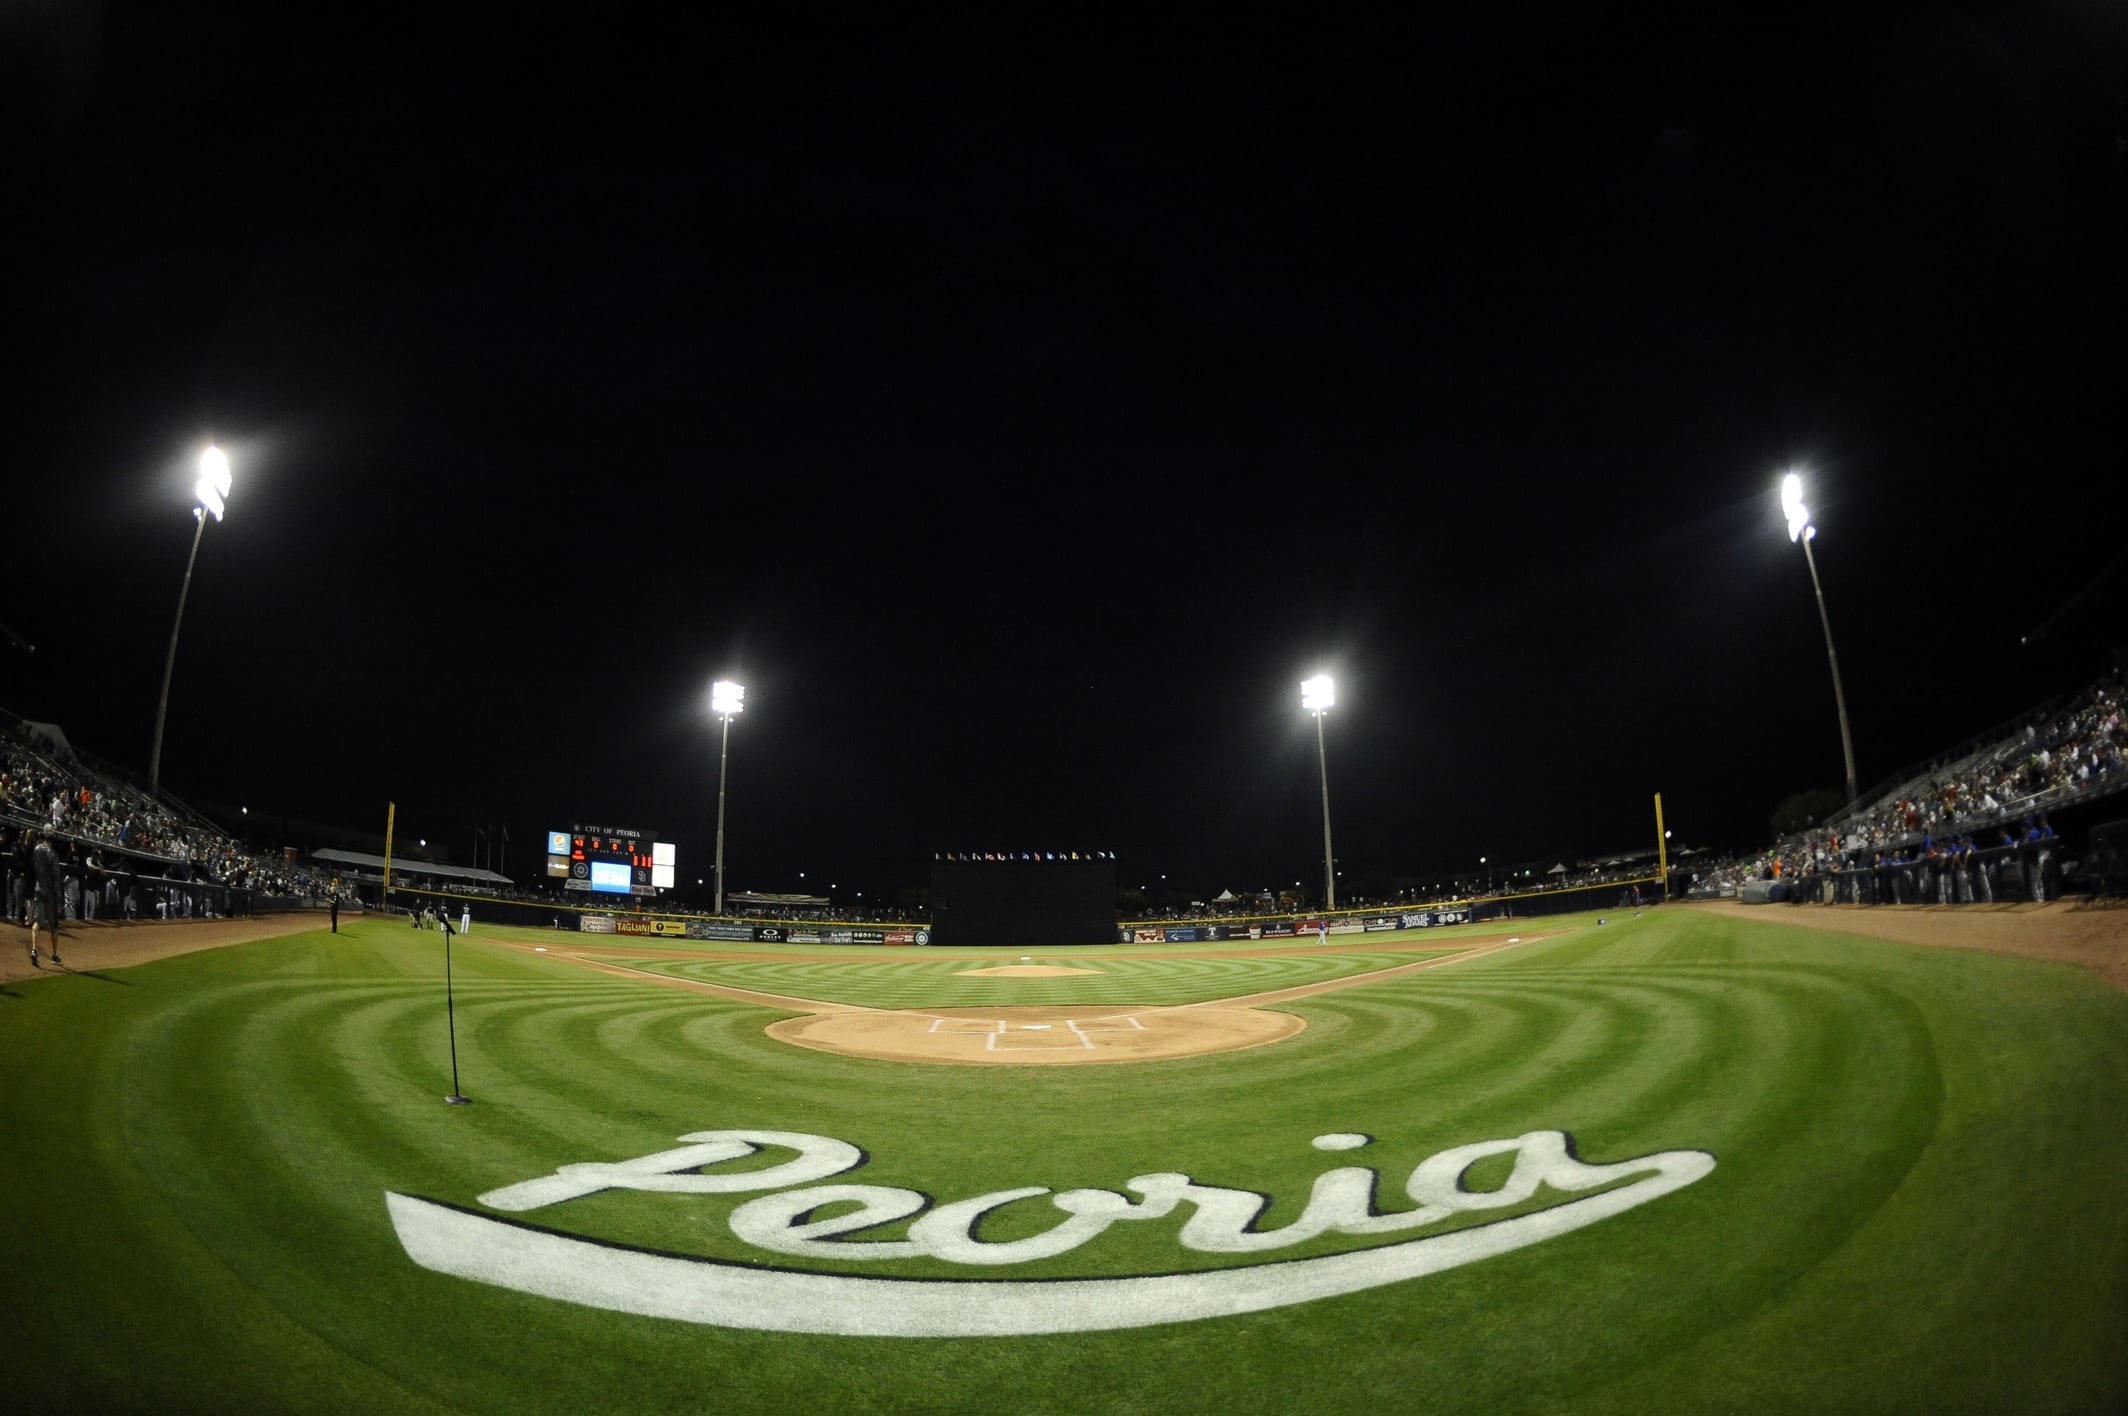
{"points": [[336, 912], [44, 901]]}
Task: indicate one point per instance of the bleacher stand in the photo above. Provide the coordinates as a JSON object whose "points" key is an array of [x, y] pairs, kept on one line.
{"points": [[1974, 830]]}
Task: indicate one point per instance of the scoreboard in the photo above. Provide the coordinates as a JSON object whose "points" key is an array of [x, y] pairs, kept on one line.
{"points": [[609, 860]]}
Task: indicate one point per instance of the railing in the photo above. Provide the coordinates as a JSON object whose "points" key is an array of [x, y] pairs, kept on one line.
{"points": [[2002, 734], [2029, 870]]}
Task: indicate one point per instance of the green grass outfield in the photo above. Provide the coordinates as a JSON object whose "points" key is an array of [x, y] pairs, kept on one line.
{"points": [[1919, 1200]]}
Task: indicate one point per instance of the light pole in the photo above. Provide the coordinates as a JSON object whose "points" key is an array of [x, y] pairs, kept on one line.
{"points": [[727, 700], [212, 490], [1317, 695], [1800, 529]]}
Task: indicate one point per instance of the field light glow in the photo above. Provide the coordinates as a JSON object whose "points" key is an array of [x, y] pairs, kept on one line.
{"points": [[1317, 694], [727, 699], [212, 489], [1792, 507]]}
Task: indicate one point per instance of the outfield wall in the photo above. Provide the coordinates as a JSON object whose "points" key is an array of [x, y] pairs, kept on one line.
{"points": [[588, 919]]}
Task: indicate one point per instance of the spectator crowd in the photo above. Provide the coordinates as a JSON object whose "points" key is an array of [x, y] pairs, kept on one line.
{"points": [[1973, 831], [122, 852]]}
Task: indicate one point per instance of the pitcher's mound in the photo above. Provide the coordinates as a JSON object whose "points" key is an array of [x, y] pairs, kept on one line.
{"points": [[1025, 971], [1041, 1037]]}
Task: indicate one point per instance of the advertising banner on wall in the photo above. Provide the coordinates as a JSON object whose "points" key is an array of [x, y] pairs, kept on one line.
{"points": [[900, 936], [1347, 926], [1181, 933], [1149, 936], [803, 936], [595, 923], [1374, 923], [717, 929], [1278, 929], [1216, 931], [670, 928], [769, 933], [1427, 919]]}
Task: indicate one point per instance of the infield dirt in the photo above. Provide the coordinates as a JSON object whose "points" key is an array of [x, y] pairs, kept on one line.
{"points": [[2091, 933]]}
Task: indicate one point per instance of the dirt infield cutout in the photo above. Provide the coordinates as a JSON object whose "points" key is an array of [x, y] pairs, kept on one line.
{"points": [[1038, 1036]]}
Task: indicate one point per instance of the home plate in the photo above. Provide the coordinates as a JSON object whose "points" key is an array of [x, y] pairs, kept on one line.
{"points": [[1037, 1027]]}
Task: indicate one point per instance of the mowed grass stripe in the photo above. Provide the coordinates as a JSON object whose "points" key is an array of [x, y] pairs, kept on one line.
{"points": [[1919, 1186]]}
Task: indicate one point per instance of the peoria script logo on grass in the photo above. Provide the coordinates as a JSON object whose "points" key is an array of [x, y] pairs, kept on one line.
{"points": [[786, 1220]]}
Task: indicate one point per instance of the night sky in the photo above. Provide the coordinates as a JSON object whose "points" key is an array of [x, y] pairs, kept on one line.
{"points": [[1022, 413]]}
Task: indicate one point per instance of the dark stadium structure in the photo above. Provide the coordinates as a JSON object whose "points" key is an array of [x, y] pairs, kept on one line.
{"points": [[1023, 902]]}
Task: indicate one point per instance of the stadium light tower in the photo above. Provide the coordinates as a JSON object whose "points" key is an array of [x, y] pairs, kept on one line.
{"points": [[727, 700], [1800, 530], [212, 491], [1317, 695]]}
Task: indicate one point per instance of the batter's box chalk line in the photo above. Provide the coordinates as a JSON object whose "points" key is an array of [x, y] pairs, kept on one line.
{"points": [[966, 1025], [1126, 1023], [992, 1030]]}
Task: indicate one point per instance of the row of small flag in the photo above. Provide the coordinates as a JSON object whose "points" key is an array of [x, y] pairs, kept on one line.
{"points": [[1023, 855]]}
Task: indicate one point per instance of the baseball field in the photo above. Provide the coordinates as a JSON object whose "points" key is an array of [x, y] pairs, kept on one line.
{"points": [[1682, 1160]]}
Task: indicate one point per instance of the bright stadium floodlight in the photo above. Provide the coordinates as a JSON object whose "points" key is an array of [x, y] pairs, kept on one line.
{"points": [[727, 700], [1792, 506], [212, 493], [1801, 530], [1316, 696], [212, 488]]}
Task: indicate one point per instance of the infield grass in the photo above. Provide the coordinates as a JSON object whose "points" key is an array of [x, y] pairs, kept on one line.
{"points": [[918, 979], [1920, 1200]]}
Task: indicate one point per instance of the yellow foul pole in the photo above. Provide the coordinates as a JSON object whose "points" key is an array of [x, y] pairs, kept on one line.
{"points": [[391, 815], [1662, 848]]}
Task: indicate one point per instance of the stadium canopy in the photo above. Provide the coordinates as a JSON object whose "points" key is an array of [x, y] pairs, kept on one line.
{"points": [[50, 737], [1225, 897], [403, 866]]}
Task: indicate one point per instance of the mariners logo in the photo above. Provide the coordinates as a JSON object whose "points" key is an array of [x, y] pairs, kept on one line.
{"points": [[784, 1219]]}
